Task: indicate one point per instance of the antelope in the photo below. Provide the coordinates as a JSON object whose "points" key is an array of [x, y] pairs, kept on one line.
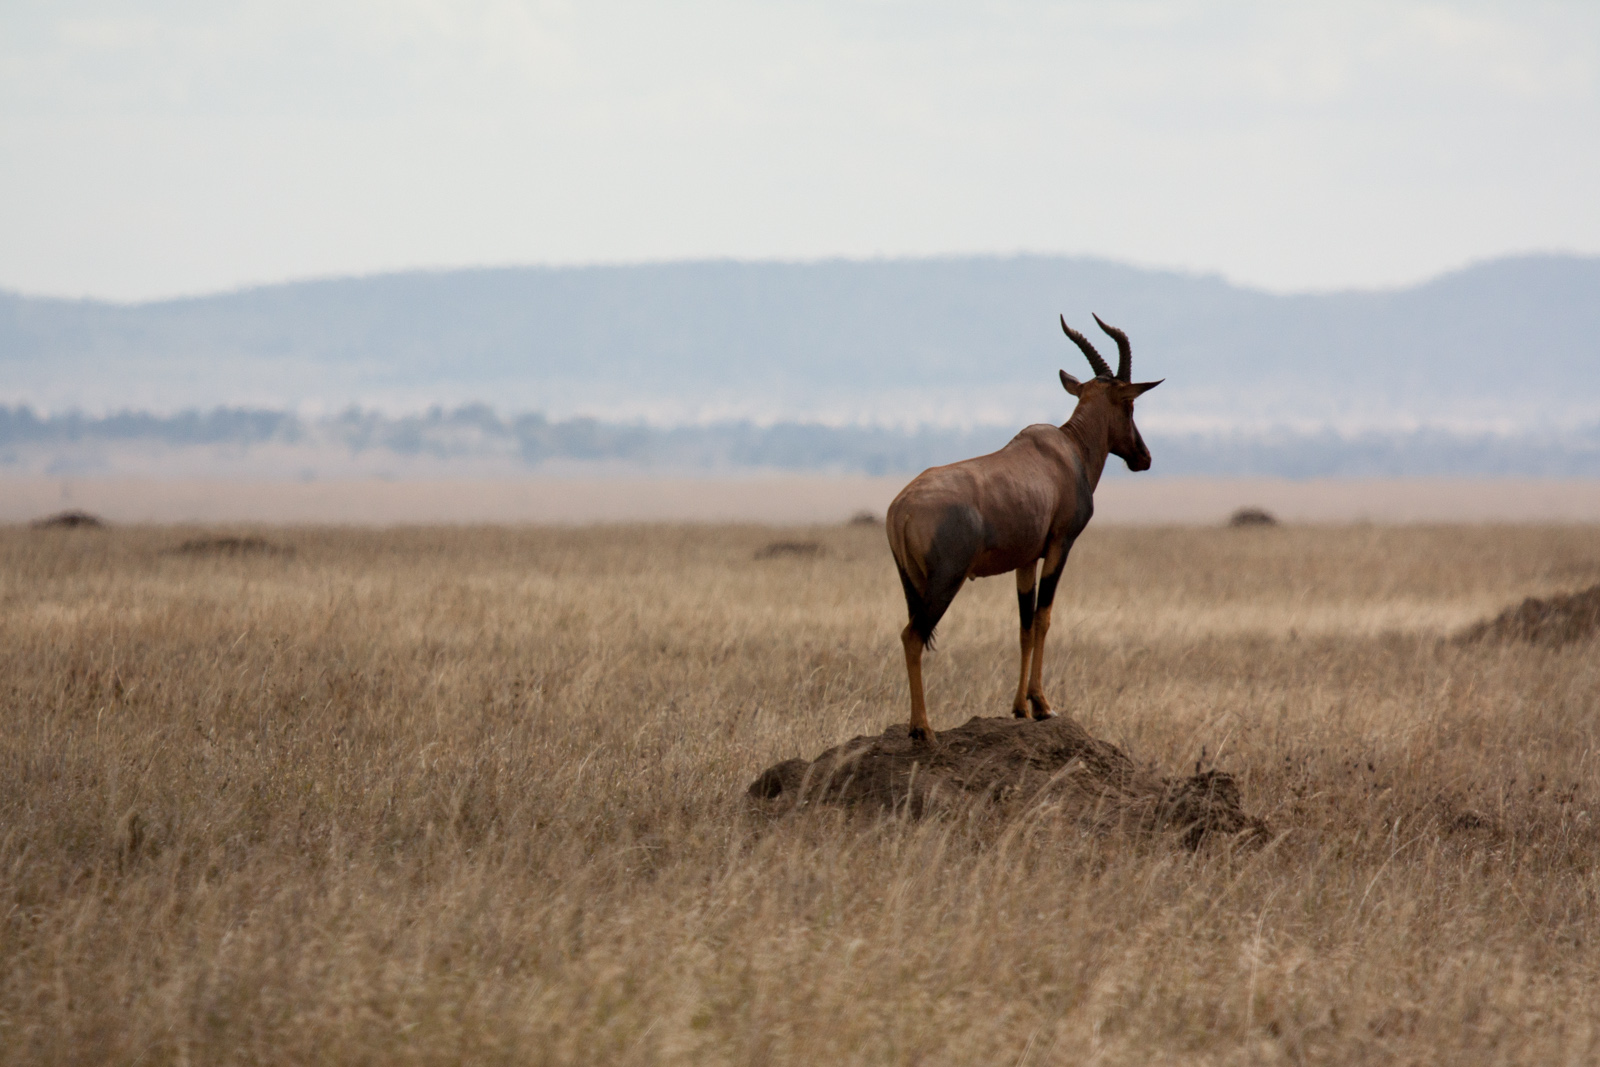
{"points": [[1007, 511]]}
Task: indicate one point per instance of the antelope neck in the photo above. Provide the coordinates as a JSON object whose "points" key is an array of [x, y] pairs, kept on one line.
{"points": [[1088, 430]]}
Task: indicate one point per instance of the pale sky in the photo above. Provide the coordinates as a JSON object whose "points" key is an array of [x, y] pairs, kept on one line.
{"points": [[153, 149]]}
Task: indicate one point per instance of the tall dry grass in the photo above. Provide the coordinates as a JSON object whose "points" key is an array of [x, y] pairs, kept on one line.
{"points": [[475, 796]]}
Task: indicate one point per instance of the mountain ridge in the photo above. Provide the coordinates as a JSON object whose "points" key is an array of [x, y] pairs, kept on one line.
{"points": [[1503, 345]]}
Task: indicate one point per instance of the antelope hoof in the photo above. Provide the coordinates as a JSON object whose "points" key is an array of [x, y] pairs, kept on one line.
{"points": [[927, 737], [1041, 707], [1021, 713]]}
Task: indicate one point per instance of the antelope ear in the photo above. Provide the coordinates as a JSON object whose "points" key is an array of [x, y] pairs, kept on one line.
{"points": [[1071, 384], [1129, 390]]}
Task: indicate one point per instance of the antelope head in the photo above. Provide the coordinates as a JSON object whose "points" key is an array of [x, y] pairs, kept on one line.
{"points": [[1112, 394]]}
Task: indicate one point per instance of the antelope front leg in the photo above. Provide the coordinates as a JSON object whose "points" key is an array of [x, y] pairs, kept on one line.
{"points": [[1054, 561], [921, 729], [1025, 604], [1036, 697]]}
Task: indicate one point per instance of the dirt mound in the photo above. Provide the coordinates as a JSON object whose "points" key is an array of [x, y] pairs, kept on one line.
{"points": [[802, 549], [1554, 621], [230, 546], [69, 520], [1015, 766], [1252, 517]]}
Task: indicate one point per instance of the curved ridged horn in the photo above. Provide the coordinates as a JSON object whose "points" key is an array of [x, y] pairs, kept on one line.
{"points": [[1101, 370], [1124, 351]]}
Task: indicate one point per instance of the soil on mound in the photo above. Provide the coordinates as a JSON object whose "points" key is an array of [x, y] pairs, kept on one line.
{"points": [[1015, 766], [1556, 620]]}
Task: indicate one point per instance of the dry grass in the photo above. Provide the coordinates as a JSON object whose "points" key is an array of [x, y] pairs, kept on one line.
{"points": [[475, 796]]}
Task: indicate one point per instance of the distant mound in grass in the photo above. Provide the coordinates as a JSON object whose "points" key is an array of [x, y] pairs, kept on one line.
{"points": [[1252, 517], [796, 549], [1552, 621], [231, 546], [69, 520], [1015, 766]]}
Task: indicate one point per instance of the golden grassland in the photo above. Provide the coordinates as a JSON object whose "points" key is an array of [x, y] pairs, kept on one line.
{"points": [[476, 795], [768, 497]]}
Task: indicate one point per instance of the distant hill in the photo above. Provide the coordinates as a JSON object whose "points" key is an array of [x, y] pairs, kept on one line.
{"points": [[1511, 345]]}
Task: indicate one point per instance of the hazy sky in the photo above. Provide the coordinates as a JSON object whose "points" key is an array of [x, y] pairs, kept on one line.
{"points": [[161, 148]]}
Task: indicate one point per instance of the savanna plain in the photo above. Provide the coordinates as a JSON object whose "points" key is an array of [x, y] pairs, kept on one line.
{"points": [[478, 795]]}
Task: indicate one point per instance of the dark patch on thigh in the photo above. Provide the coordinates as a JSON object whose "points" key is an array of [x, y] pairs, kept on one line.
{"points": [[956, 542]]}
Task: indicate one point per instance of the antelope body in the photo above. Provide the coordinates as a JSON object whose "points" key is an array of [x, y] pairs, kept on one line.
{"points": [[1009, 510]]}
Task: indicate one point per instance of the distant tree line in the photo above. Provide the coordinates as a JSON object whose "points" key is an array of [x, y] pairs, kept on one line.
{"points": [[245, 426], [477, 430], [1413, 454]]}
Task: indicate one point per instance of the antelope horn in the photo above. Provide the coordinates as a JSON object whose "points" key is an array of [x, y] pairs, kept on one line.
{"points": [[1124, 351], [1099, 365]]}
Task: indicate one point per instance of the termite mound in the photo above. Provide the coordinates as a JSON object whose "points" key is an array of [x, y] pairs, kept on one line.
{"points": [[230, 546], [1553, 621], [69, 520], [1014, 767]]}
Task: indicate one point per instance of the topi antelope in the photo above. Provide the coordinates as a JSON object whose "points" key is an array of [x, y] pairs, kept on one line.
{"points": [[1008, 510]]}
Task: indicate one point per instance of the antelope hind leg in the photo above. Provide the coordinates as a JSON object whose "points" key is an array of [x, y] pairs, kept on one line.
{"points": [[921, 729]]}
